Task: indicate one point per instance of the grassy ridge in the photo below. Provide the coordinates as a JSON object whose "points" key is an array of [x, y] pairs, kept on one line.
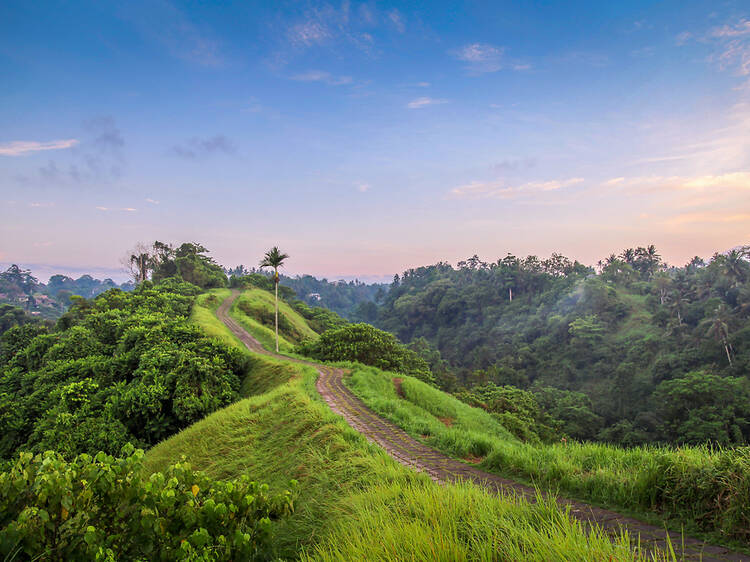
{"points": [[254, 310], [204, 315], [708, 490], [355, 502]]}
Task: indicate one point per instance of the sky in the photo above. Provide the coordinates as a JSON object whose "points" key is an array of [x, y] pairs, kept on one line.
{"points": [[365, 138]]}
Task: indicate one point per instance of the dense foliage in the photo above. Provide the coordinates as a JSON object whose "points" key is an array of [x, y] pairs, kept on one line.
{"points": [[11, 316], [320, 318], [189, 262], [627, 338], [366, 344], [125, 367], [344, 298], [516, 409], [106, 508], [18, 287]]}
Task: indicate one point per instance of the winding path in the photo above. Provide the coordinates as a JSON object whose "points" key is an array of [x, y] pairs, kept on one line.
{"points": [[441, 468]]}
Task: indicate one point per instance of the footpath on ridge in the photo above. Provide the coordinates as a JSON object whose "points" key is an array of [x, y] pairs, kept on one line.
{"points": [[443, 469]]}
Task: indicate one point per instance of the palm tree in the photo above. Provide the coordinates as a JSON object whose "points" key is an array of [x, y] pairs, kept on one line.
{"points": [[275, 258], [735, 267], [719, 328]]}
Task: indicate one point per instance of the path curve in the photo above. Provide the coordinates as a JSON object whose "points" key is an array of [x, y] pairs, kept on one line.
{"points": [[441, 468]]}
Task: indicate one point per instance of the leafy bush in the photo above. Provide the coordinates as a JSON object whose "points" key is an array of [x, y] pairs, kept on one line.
{"points": [[368, 345], [516, 409], [106, 508], [125, 367]]}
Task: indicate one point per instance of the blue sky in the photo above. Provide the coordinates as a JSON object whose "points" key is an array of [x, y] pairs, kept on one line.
{"points": [[365, 138]]}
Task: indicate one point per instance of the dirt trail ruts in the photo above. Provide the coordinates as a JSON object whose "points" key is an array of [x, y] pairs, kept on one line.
{"points": [[441, 468]]}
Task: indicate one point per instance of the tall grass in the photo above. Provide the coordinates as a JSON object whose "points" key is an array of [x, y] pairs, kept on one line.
{"points": [[357, 503], [707, 489], [255, 305], [461, 522]]}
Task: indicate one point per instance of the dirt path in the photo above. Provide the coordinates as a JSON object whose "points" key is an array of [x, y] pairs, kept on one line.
{"points": [[441, 468]]}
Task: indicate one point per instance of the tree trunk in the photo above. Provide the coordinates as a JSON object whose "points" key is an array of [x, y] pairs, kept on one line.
{"points": [[276, 286], [510, 294], [729, 357]]}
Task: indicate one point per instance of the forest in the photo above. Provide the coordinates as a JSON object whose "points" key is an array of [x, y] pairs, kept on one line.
{"points": [[632, 351]]}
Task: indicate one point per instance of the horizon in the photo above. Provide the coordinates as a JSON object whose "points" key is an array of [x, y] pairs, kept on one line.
{"points": [[364, 137], [120, 275]]}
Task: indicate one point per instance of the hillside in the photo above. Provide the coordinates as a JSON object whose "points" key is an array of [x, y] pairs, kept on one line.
{"points": [[347, 487], [263, 418], [622, 355]]}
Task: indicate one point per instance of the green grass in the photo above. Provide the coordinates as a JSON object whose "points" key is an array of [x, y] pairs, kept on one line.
{"points": [[355, 502], [707, 490], [351, 491], [437, 418], [254, 306], [204, 315], [458, 523]]}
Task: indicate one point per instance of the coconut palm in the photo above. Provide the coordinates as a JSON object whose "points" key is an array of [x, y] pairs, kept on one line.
{"points": [[719, 329], [275, 258]]}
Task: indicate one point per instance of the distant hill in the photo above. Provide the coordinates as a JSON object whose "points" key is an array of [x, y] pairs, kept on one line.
{"points": [[20, 288]]}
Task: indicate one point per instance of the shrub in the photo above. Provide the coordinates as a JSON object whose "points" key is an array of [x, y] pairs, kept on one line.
{"points": [[106, 508], [368, 345]]}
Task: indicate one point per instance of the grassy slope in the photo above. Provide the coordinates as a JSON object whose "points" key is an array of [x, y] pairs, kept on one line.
{"points": [[355, 502], [687, 479], [258, 299]]}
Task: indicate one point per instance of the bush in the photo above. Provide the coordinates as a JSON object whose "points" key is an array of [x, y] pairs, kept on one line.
{"points": [[125, 367], [368, 345], [106, 508]]}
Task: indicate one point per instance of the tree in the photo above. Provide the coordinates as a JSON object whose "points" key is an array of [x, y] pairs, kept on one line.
{"points": [[138, 263], [275, 258], [719, 328]]}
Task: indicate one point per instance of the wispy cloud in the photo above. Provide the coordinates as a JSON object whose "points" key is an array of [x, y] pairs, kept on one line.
{"points": [[123, 209], [164, 23], [97, 157], [363, 187], [500, 190], [41, 204], [481, 58], [717, 184], [397, 20], [734, 50], [424, 101], [707, 218], [324, 77], [152, 201], [196, 148], [308, 33], [22, 148], [327, 25], [683, 38]]}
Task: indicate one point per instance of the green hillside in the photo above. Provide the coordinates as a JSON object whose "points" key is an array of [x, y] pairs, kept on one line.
{"points": [[254, 309], [633, 353], [355, 502]]}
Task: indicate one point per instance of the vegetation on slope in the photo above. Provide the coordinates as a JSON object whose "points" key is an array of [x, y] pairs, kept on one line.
{"points": [[351, 492], [125, 367], [366, 344], [610, 354], [106, 508], [706, 489]]}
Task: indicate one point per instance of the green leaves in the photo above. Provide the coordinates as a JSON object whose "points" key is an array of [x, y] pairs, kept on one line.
{"points": [[368, 345], [108, 508], [125, 367]]}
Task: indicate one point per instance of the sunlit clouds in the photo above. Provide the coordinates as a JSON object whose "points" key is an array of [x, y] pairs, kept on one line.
{"points": [[22, 148]]}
